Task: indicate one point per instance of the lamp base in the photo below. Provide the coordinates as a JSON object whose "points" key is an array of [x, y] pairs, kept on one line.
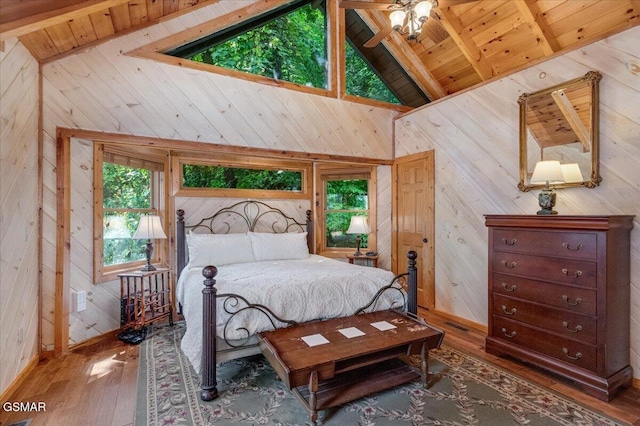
{"points": [[147, 268], [148, 252], [545, 211], [547, 200]]}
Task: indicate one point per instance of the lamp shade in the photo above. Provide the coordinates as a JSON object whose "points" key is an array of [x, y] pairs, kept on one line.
{"points": [[358, 225], [397, 19], [422, 10], [547, 172], [571, 173], [149, 228]]}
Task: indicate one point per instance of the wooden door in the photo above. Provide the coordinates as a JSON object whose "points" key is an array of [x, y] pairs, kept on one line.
{"points": [[414, 220]]}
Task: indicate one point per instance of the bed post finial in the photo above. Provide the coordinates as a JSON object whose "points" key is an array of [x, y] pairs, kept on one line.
{"points": [[412, 297], [209, 292]]}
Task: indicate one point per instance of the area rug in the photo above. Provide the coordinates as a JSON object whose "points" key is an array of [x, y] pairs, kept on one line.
{"points": [[463, 390]]}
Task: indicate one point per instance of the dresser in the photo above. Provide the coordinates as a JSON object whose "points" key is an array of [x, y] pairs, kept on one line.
{"points": [[559, 296]]}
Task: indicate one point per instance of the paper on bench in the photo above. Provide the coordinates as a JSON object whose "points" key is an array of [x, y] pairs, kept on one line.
{"points": [[383, 325], [351, 332], [315, 339]]}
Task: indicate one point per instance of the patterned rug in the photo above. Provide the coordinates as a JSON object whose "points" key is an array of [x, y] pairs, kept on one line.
{"points": [[463, 390]]}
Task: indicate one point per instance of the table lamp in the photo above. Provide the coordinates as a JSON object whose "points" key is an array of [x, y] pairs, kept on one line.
{"points": [[149, 228], [358, 226], [548, 173]]}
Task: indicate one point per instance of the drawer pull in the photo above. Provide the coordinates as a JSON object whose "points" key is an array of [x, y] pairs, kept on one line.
{"points": [[509, 242], [576, 275], [511, 312], [512, 288], [566, 299], [575, 330], [510, 336], [566, 245], [575, 358], [509, 265]]}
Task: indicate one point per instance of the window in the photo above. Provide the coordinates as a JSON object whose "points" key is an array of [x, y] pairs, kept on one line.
{"points": [[362, 80], [346, 192], [202, 176], [294, 45], [288, 43], [246, 177], [125, 188]]}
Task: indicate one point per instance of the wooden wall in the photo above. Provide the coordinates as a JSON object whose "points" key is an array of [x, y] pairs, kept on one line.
{"points": [[102, 89], [19, 112], [475, 138]]}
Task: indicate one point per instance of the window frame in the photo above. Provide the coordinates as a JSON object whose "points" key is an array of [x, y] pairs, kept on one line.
{"points": [[335, 35], [245, 162], [325, 172], [158, 166]]}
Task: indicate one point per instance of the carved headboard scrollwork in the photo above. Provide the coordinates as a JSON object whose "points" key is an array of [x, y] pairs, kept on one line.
{"points": [[244, 216]]}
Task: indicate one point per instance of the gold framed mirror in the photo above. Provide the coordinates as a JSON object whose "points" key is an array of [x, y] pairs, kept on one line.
{"points": [[561, 123]]}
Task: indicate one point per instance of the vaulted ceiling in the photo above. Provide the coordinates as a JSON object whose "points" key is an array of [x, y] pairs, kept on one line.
{"points": [[473, 41]]}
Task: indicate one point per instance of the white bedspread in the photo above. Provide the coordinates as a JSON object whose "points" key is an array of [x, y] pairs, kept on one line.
{"points": [[298, 290]]}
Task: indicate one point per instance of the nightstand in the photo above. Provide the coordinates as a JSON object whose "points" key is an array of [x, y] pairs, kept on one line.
{"points": [[363, 260], [145, 297]]}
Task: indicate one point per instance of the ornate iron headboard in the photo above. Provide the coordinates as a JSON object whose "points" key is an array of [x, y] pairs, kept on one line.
{"points": [[255, 216]]}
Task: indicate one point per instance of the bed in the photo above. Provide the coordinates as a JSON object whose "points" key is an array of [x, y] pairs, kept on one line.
{"points": [[250, 267]]}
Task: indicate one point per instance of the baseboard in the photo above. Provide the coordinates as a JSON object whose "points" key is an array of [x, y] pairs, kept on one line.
{"points": [[462, 321], [93, 340], [20, 378], [635, 383]]}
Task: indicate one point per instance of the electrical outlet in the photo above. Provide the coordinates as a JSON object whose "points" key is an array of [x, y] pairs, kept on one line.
{"points": [[80, 301]]}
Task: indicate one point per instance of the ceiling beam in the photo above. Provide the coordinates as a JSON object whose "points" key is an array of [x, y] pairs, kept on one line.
{"points": [[572, 117], [464, 42], [530, 12], [18, 18], [406, 57]]}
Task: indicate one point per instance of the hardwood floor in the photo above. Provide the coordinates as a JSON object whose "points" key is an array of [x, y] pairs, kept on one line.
{"points": [[96, 385]]}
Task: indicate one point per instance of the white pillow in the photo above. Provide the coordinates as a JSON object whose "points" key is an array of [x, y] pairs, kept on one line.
{"points": [[219, 249], [287, 246]]}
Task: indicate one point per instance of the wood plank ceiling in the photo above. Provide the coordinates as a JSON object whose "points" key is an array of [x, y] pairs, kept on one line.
{"points": [[484, 39]]}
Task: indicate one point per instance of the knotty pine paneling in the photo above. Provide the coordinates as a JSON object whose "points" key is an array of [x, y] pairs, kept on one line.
{"points": [[475, 138], [19, 280], [102, 89]]}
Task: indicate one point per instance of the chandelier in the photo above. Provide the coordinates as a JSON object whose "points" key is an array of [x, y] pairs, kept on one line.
{"points": [[408, 18]]}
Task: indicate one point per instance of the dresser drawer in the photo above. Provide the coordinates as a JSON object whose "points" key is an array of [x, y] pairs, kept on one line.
{"points": [[568, 351], [570, 271], [573, 326], [573, 299], [563, 244]]}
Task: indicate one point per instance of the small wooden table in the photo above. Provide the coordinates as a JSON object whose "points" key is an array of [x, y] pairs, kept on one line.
{"points": [[363, 260], [346, 369], [145, 296]]}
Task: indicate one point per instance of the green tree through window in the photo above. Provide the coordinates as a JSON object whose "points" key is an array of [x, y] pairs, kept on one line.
{"points": [[291, 46], [202, 176], [277, 50], [344, 198], [126, 194], [362, 81]]}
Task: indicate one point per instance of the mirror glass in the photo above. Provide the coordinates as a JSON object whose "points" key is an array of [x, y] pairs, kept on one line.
{"points": [[561, 123]]}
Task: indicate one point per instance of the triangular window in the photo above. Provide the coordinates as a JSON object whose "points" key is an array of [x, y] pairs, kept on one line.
{"points": [[288, 43]]}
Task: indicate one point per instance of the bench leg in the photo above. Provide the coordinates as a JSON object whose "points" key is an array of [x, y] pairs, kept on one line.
{"points": [[424, 364], [313, 388]]}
